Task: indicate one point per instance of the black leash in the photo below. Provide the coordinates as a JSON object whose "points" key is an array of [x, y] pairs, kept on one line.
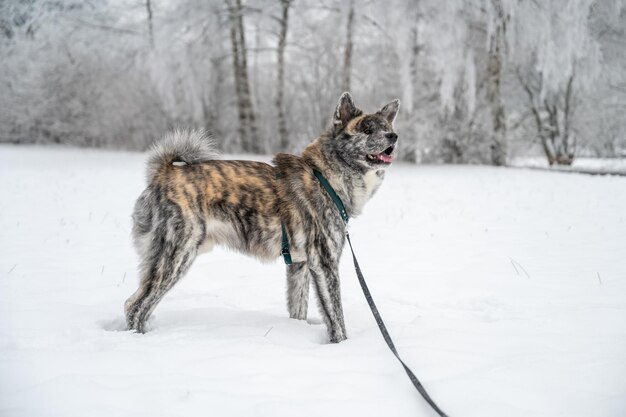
{"points": [[368, 296], [383, 329]]}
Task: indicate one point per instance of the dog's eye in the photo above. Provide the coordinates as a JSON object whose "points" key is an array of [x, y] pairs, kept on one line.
{"points": [[367, 131]]}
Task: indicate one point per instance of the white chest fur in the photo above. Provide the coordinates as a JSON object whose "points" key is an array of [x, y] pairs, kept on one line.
{"points": [[364, 191]]}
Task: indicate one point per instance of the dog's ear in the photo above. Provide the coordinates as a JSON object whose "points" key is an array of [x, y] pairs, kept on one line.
{"points": [[390, 111], [345, 111]]}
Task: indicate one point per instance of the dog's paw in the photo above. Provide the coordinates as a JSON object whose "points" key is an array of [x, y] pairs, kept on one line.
{"points": [[337, 338]]}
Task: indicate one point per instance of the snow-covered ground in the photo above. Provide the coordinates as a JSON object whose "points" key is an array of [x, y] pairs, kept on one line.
{"points": [[504, 289], [614, 166]]}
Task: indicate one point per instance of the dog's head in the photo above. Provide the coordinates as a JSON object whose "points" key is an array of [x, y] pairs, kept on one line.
{"points": [[366, 141]]}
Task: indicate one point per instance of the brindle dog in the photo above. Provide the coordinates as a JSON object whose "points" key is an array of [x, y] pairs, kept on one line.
{"points": [[194, 201]]}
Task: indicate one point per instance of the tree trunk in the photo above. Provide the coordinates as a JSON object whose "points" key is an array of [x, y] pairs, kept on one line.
{"points": [[234, 42], [494, 95], [347, 56], [150, 29], [553, 133], [280, 76], [415, 50], [214, 107], [254, 145], [247, 121], [569, 147]]}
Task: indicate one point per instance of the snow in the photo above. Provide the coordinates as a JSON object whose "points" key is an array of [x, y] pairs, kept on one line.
{"points": [[609, 166], [504, 290]]}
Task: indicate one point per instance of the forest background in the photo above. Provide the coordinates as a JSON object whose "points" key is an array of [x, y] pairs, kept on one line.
{"points": [[481, 81]]}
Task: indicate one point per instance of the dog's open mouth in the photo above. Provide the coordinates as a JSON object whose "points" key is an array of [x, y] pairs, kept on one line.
{"points": [[384, 157]]}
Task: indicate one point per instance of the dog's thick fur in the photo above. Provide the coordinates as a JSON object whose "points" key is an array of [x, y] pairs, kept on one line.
{"points": [[194, 201]]}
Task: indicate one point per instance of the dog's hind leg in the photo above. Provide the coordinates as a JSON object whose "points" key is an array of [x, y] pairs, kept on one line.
{"points": [[298, 290], [168, 258], [325, 274]]}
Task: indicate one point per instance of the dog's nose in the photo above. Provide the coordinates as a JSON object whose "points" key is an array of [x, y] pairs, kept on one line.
{"points": [[393, 138]]}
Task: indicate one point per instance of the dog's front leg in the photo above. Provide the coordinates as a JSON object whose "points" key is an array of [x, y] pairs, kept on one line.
{"points": [[298, 290], [325, 274]]}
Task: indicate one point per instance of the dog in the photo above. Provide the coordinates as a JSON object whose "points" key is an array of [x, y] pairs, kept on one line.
{"points": [[195, 201]]}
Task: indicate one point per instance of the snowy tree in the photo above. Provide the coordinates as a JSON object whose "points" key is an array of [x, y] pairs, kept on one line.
{"points": [[280, 77], [497, 19], [248, 131], [555, 64], [62, 71]]}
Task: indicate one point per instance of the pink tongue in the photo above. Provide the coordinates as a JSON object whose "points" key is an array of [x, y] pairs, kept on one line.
{"points": [[385, 158]]}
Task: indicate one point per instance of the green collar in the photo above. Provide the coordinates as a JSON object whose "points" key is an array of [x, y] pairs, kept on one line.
{"points": [[333, 195]]}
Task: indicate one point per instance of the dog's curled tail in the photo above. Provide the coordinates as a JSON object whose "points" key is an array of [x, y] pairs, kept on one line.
{"points": [[180, 147]]}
